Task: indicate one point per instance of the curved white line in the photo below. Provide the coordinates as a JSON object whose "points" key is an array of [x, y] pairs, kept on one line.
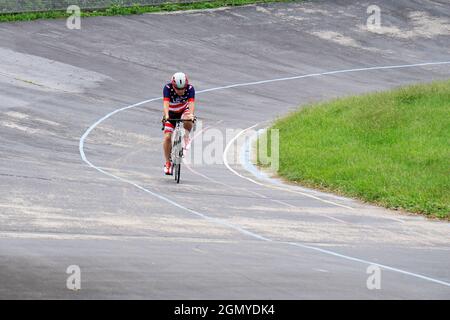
{"points": [[328, 73], [223, 222]]}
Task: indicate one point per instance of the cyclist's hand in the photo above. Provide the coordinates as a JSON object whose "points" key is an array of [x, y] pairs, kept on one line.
{"points": [[163, 122]]}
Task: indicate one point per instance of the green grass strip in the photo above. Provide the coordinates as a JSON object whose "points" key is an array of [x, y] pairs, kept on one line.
{"points": [[390, 148], [137, 9]]}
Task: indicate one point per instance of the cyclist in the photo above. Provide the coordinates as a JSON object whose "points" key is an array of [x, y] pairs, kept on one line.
{"points": [[178, 103]]}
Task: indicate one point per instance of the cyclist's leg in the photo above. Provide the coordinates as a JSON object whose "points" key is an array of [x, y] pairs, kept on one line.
{"points": [[167, 145], [188, 127], [188, 124], [169, 127]]}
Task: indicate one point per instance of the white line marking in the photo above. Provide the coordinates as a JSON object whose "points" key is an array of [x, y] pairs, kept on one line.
{"points": [[327, 73], [225, 223], [368, 262]]}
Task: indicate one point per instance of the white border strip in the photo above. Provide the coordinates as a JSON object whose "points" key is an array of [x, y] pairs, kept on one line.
{"points": [[226, 223]]}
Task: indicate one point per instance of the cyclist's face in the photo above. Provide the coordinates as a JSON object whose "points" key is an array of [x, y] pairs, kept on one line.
{"points": [[180, 92]]}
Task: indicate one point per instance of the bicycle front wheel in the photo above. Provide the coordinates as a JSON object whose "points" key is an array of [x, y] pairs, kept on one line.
{"points": [[177, 168]]}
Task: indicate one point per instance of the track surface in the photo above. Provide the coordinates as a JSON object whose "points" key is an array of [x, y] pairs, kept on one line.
{"points": [[136, 234]]}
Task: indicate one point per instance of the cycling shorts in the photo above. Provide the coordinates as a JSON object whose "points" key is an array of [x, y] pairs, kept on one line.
{"points": [[170, 125]]}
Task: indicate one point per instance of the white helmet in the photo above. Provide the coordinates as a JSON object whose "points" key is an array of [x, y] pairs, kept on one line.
{"points": [[180, 80]]}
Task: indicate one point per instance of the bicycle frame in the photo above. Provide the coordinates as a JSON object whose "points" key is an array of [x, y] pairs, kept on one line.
{"points": [[177, 147]]}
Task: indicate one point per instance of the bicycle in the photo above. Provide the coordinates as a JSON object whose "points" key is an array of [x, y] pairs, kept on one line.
{"points": [[176, 155]]}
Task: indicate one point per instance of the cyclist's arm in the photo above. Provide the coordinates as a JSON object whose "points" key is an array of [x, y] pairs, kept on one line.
{"points": [[191, 108], [191, 101], [166, 99], [166, 109]]}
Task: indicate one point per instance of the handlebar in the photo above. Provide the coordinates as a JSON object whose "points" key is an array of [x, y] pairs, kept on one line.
{"points": [[178, 120]]}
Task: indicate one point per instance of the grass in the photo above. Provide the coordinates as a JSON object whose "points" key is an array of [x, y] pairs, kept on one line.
{"points": [[390, 148], [136, 9]]}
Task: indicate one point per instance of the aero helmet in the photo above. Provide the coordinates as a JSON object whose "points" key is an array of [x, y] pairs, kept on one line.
{"points": [[180, 80]]}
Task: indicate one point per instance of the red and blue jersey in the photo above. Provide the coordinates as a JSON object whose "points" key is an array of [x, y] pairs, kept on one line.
{"points": [[178, 103]]}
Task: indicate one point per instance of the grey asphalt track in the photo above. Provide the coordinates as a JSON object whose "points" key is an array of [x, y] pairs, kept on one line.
{"points": [[134, 232]]}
